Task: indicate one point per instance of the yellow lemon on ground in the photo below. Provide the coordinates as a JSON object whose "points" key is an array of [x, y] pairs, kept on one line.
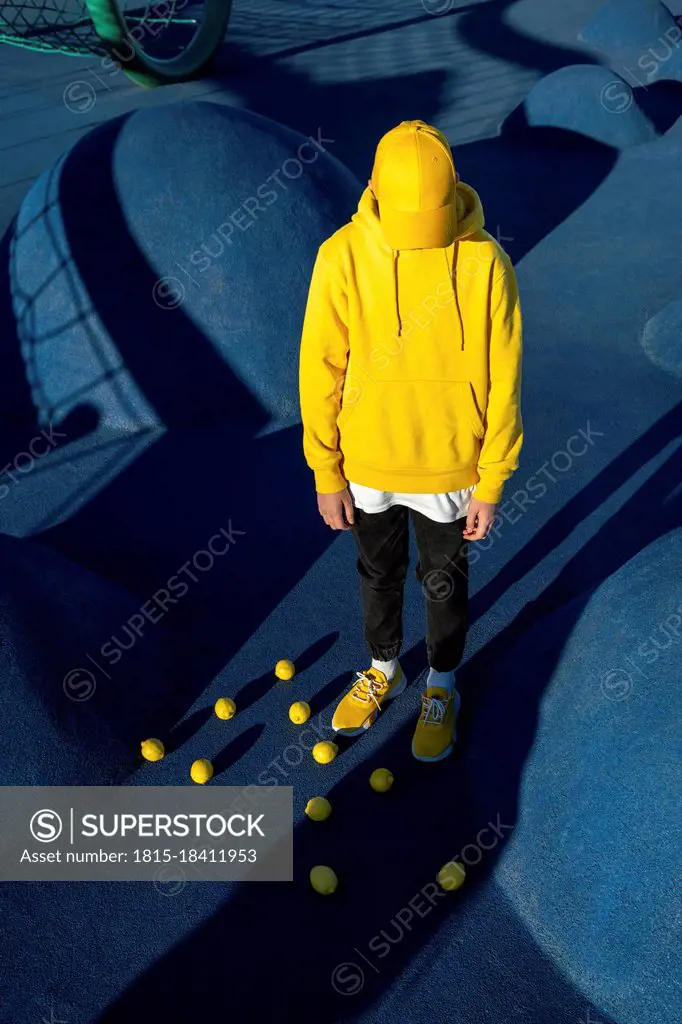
{"points": [[318, 808], [201, 771], [152, 750], [225, 708], [284, 669], [323, 879], [299, 712], [381, 780], [451, 876], [325, 751]]}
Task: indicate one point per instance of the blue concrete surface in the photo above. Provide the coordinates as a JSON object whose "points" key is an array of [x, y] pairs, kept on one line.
{"points": [[591, 227], [591, 864]]}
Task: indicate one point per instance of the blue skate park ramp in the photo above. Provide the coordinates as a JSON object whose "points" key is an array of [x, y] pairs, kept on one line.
{"points": [[156, 254]]}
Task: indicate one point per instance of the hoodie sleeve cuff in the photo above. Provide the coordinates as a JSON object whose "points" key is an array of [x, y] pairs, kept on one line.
{"points": [[489, 491], [329, 480]]}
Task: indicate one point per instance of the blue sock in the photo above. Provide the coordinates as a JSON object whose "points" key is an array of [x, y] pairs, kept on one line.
{"points": [[446, 680]]}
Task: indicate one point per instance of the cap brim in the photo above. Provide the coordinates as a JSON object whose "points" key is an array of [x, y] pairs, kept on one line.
{"points": [[425, 229]]}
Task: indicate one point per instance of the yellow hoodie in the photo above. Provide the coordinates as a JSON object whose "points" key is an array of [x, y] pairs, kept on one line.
{"points": [[410, 360]]}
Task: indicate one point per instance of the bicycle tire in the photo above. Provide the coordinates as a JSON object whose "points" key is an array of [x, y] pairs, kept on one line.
{"points": [[111, 26]]}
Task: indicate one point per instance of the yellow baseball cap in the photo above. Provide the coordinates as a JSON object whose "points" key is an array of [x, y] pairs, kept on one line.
{"points": [[415, 183]]}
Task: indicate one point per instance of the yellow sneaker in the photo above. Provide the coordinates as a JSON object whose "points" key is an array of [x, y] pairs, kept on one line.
{"points": [[358, 710], [435, 734]]}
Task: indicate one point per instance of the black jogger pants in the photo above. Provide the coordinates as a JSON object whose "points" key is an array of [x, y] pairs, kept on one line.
{"points": [[382, 539]]}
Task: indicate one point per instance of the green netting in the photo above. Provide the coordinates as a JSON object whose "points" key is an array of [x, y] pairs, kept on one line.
{"points": [[64, 26]]}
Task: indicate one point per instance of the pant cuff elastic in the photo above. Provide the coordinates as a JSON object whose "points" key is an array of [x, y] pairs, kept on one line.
{"points": [[385, 653]]}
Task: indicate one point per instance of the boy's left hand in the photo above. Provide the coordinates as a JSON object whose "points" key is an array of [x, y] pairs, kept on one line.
{"points": [[480, 518]]}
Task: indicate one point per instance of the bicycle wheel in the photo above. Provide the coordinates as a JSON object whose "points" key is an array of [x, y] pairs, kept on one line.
{"points": [[165, 41]]}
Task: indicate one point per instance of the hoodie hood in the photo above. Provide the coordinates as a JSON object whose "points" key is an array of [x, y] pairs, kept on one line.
{"points": [[470, 219]]}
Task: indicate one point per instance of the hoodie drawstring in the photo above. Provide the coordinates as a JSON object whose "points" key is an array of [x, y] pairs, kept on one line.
{"points": [[395, 288], [450, 267]]}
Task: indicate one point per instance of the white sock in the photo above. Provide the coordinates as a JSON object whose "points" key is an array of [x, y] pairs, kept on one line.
{"points": [[446, 680], [389, 668]]}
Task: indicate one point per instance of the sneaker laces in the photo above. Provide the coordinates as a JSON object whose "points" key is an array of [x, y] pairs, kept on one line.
{"points": [[433, 710], [367, 688]]}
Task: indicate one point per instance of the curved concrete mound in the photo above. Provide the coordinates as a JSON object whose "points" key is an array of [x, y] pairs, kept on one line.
{"points": [[592, 860], [159, 272], [589, 101], [642, 36]]}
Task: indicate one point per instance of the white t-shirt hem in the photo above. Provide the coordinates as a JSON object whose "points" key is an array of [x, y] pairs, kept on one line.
{"points": [[441, 508]]}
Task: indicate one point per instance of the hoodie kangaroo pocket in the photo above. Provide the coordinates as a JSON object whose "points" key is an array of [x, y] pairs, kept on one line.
{"points": [[408, 426]]}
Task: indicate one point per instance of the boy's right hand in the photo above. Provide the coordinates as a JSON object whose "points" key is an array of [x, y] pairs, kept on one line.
{"points": [[333, 507]]}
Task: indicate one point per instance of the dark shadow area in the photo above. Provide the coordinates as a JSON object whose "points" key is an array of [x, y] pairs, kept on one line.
{"points": [[254, 690], [531, 182], [307, 658], [661, 102], [188, 727], [17, 408], [230, 754], [486, 30]]}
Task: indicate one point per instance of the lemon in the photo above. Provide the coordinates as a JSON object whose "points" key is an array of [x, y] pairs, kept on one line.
{"points": [[381, 780], [201, 771], [152, 750], [323, 879], [451, 876], [225, 708], [325, 751], [299, 712], [284, 669], [318, 808]]}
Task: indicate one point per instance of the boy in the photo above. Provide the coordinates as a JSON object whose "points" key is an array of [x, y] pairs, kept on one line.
{"points": [[410, 375]]}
